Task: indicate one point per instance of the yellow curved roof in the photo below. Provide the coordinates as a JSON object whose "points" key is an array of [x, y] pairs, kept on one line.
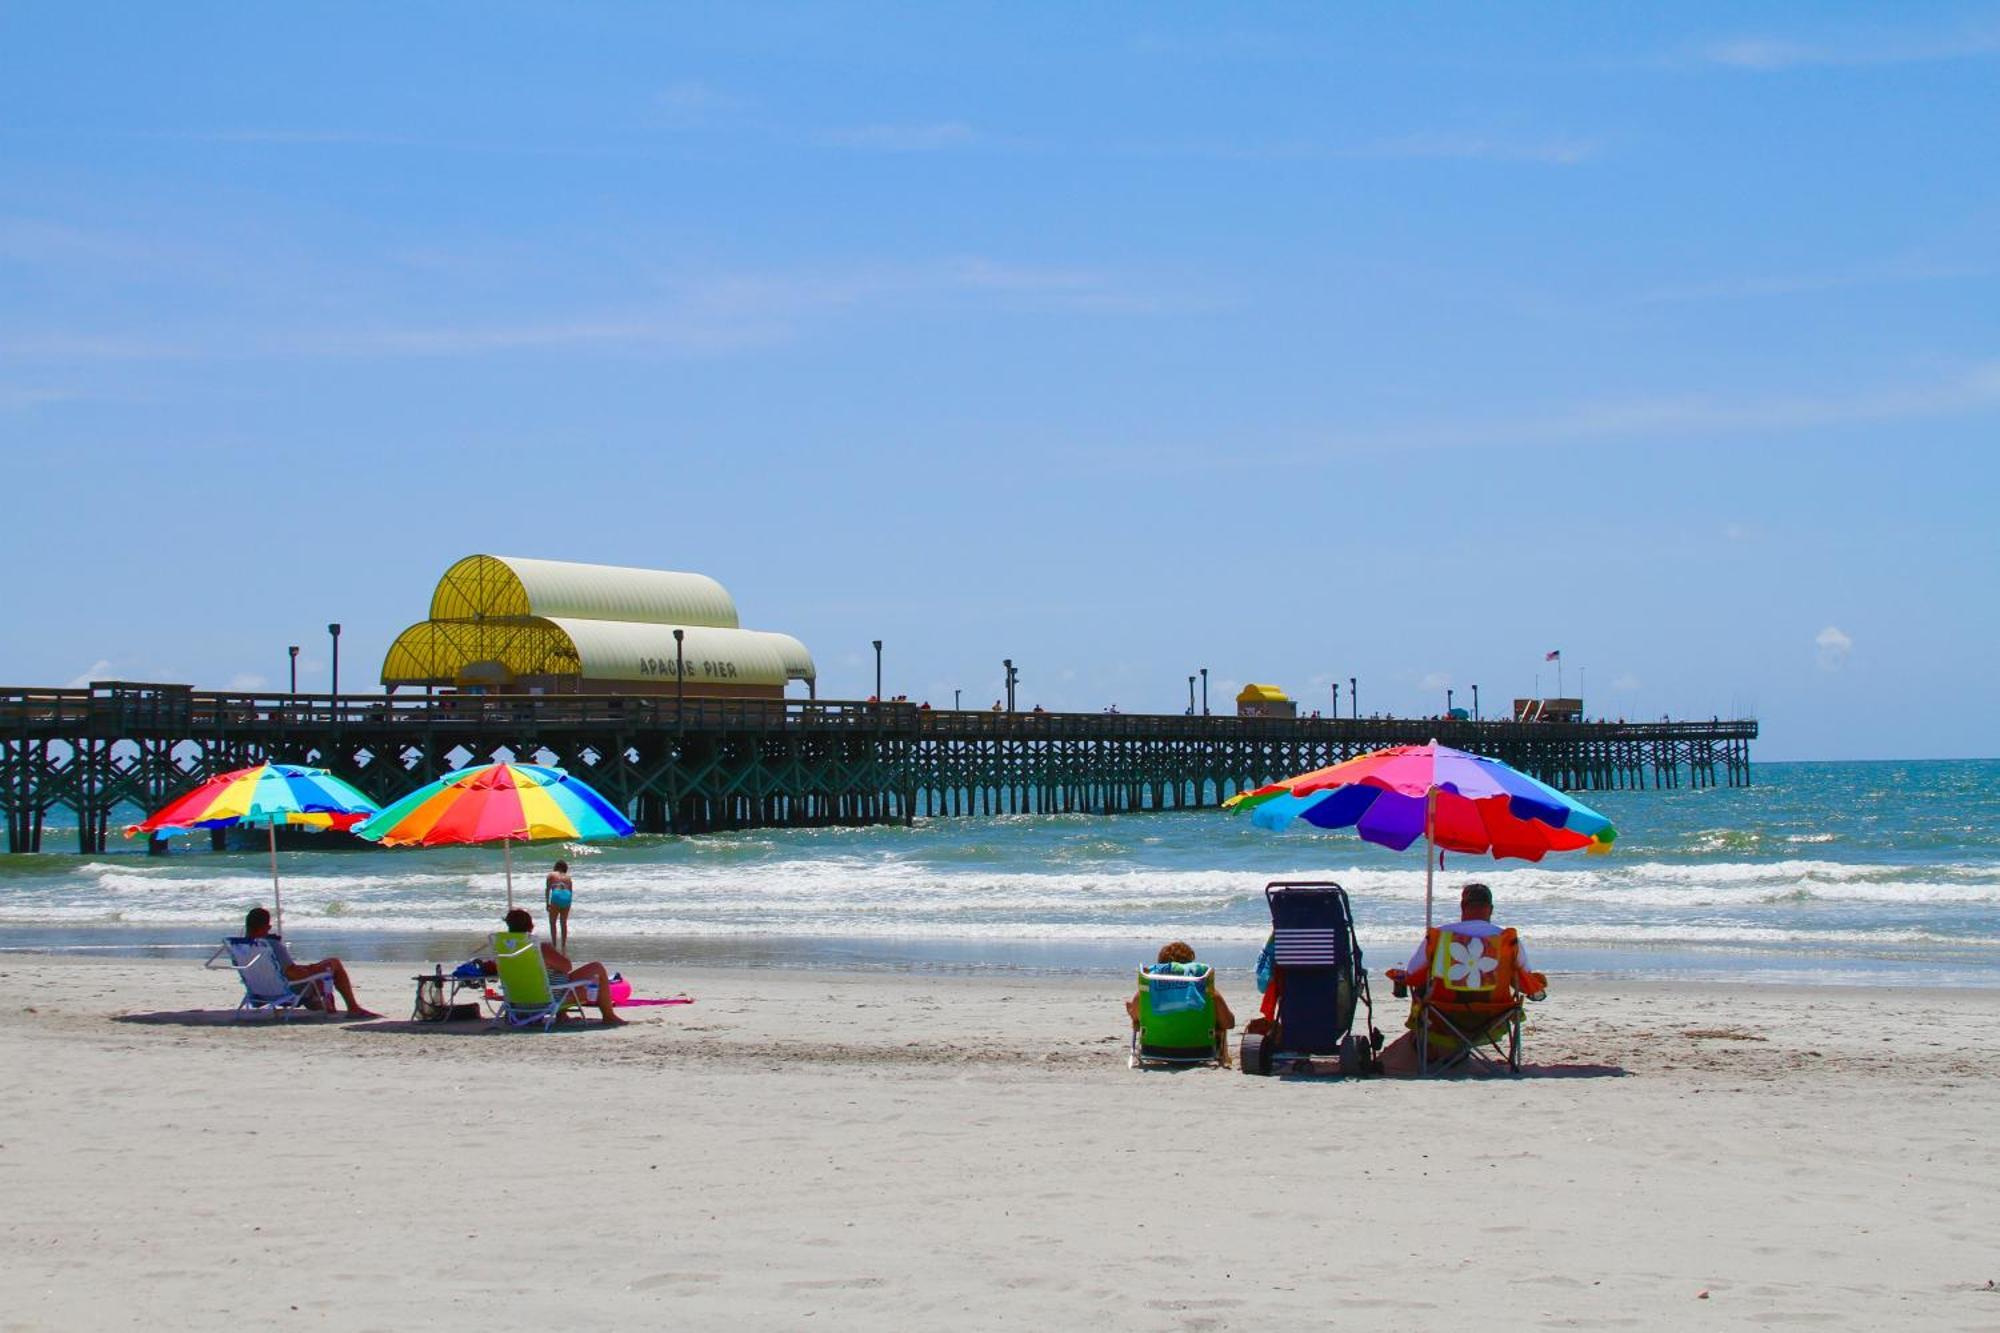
{"points": [[622, 650], [450, 652], [482, 587], [1262, 694]]}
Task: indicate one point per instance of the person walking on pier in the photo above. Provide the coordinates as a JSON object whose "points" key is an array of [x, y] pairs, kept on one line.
{"points": [[558, 890]]}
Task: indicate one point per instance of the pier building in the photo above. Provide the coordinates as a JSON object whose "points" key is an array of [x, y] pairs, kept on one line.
{"points": [[1265, 701], [504, 624]]}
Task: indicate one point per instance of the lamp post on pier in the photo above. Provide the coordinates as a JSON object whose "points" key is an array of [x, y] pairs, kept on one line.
{"points": [[334, 630], [878, 670], [954, 699], [1204, 691], [1475, 703], [1190, 696], [1336, 701], [294, 651], [1447, 701], [1353, 698], [680, 675]]}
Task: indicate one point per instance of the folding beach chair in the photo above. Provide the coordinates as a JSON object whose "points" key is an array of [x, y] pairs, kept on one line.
{"points": [[1320, 980], [1469, 1009], [1177, 1017], [528, 995], [266, 988]]}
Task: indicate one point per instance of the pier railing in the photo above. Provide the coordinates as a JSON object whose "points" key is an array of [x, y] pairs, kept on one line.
{"points": [[699, 763], [132, 710]]}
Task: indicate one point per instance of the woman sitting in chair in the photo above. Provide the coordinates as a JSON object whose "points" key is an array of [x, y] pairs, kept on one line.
{"points": [[561, 969]]}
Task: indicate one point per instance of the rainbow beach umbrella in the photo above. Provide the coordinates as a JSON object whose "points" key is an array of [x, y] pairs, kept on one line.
{"points": [[1454, 800], [503, 803], [267, 794]]}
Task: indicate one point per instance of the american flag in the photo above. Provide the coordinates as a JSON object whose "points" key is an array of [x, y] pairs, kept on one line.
{"points": [[1555, 656]]}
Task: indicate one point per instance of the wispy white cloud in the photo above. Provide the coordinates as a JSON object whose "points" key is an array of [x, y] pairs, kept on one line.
{"points": [[20, 397], [32, 240], [1828, 280], [690, 104], [1435, 680], [57, 346], [708, 314], [1976, 389], [1832, 647], [929, 138], [1420, 146], [1563, 151], [246, 680], [1683, 417], [1766, 54], [98, 670]]}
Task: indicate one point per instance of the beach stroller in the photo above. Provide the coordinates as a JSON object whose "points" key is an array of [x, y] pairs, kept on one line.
{"points": [[266, 988], [1317, 970], [529, 997], [1176, 1004]]}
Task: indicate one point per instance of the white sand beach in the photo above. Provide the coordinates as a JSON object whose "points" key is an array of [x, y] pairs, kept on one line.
{"points": [[828, 1150]]}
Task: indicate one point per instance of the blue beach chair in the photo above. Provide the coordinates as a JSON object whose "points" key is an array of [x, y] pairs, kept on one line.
{"points": [[266, 988]]}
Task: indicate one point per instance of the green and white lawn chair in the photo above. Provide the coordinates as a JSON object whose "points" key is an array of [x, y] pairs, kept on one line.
{"points": [[528, 995], [1176, 1016], [266, 988]]}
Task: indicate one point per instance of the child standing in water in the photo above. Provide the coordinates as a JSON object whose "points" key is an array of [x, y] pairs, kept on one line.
{"points": [[557, 891]]}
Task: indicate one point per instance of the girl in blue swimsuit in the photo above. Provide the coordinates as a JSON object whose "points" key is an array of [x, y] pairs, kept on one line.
{"points": [[557, 891]]}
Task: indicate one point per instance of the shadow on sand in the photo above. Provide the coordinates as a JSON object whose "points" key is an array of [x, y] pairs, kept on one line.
{"points": [[230, 1018], [474, 1027], [1528, 1071]]}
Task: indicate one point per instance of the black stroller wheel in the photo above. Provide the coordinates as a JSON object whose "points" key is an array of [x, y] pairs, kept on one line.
{"points": [[1254, 1055]]}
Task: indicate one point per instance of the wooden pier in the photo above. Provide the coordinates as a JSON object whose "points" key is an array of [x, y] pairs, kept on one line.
{"points": [[100, 754]]}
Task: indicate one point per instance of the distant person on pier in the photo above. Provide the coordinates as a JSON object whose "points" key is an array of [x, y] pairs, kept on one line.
{"points": [[257, 926], [558, 891]]}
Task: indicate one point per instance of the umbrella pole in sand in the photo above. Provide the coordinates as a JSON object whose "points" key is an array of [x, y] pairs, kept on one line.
{"points": [[277, 904], [1430, 851], [507, 850]]}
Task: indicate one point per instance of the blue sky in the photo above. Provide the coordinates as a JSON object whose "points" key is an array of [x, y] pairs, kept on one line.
{"points": [[1297, 342]]}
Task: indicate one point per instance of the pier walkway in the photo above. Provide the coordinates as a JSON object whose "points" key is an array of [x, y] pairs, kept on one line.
{"points": [[102, 753]]}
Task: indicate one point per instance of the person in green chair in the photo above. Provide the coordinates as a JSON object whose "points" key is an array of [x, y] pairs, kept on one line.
{"points": [[521, 922], [1182, 954]]}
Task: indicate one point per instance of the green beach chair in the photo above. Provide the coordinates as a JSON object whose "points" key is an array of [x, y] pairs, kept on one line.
{"points": [[528, 996], [1176, 1016]]}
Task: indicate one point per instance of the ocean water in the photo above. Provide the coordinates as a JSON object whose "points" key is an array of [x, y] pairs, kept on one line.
{"points": [[1828, 872]]}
